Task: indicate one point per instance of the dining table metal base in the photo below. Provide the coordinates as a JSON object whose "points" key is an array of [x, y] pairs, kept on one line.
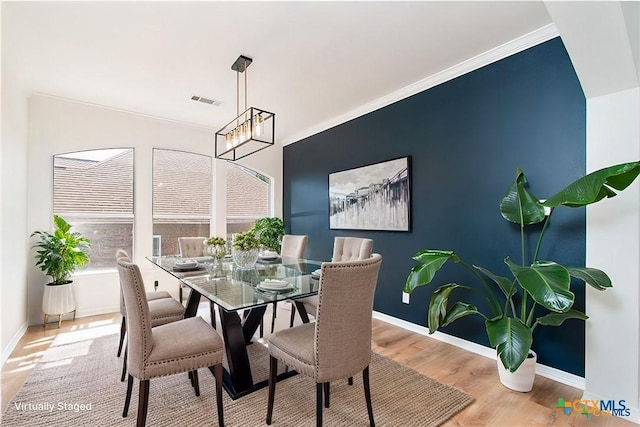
{"points": [[237, 334]]}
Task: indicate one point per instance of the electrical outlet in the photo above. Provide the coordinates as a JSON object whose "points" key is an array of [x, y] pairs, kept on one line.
{"points": [[405, 297]]}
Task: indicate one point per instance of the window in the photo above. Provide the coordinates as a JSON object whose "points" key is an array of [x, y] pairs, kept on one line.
{"points": [[181, 198], [248, 197], [93, 191]]}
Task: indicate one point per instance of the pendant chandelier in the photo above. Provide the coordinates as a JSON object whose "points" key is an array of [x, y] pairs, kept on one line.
{"points": [[251, 131]]}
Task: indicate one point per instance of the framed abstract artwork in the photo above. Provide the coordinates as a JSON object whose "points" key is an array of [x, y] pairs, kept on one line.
{"points": [[372, 197]]}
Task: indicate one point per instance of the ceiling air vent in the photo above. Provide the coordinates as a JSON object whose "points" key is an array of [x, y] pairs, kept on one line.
{"points": [[214, 102]]}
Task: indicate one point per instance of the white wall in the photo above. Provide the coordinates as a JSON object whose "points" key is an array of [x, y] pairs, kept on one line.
{"points": [[13, 229], [612, 345], [601, 39], [59, 126]]}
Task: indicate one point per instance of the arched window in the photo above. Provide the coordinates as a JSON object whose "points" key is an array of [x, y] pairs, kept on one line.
{"points": [[181, 198], [93, 191], [248, 197]]}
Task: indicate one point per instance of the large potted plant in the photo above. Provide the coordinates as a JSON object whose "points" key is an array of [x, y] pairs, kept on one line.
{"points": [[269, 231], [539, 291], [58, 255]]}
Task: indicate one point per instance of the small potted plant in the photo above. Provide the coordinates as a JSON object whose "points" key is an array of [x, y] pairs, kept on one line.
{"points": [[246, 248], [269, 231], [216, 247], [539, 291], [58, 255]]}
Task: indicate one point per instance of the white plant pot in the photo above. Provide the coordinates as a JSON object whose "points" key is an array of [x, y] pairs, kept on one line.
{"points": [[522, 379], [58, 300]]}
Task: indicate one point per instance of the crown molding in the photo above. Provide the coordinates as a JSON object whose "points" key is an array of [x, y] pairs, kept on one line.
{"points": [[524, 42]]}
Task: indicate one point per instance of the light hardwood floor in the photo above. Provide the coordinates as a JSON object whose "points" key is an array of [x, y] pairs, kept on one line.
{"points": [[494, 405]]}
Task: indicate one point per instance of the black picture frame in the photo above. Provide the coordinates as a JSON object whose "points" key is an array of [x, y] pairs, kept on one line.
{"points": [[373, 197]]}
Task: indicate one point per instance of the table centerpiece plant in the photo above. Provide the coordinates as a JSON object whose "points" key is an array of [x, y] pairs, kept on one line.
{"points": [[269, 231], [538, 293], [246, 247], [216, 247]]}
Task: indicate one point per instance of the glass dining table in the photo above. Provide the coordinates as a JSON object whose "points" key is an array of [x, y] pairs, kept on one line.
{"points": [[234, 290]]}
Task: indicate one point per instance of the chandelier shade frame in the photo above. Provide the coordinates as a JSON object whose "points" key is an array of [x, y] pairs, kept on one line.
{"points": [[251, 131]]}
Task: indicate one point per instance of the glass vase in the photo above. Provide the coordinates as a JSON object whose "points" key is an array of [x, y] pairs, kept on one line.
{"points": [[245, 258]]}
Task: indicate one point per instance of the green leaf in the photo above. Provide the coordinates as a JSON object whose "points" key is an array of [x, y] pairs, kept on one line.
{"points": [[596, 186], [505, 284], [269, 231], [519, 206], [547, 282], [595, 278], [438, 304], [556, 319], [459, 310], [430, 262], [61, 225], [61, 252], [512, 340]]}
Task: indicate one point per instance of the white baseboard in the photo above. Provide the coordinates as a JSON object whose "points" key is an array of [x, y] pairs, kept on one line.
{"points": [[6, 352], [98, 311], [82, 313], [542, 370]]}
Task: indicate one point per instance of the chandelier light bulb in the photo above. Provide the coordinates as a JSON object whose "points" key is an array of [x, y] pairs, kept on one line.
{"points": [[236, 136], [228, 139], [257, 125], [246, 127]]}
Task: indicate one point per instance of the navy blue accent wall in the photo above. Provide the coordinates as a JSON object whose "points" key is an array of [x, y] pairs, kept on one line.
{"points": [[466, 138]]}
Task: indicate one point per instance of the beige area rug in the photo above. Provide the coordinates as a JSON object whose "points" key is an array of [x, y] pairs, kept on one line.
{"points": [[77, 383]]}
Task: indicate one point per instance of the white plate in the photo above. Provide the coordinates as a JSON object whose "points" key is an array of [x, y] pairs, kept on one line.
{"points": [[267, 288], [274, 285], [187, 264], [316, 274]]}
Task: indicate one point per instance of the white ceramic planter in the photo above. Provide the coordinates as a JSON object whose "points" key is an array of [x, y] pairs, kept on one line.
{"points": [[522, 379], [58, 300]]}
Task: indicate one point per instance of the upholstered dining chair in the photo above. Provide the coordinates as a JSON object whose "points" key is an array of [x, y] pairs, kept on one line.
{"points": [[190, 247], [182, 346], [338, 344], [292, 246], [344, 249], [193, 247], [163, 309]]}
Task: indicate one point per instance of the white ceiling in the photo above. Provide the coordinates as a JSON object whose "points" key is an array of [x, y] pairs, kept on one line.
{"points": [[313, 61]]}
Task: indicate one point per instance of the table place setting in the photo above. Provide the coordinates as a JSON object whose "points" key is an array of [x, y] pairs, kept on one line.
{"points": [[186, 265], [316, 273], [275, 285], [268, 257]]}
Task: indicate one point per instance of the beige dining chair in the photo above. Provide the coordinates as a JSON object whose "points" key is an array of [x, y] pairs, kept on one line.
{"points": [[338, 344], [190, 247], [193, 247], [182, 346], [292, 246], [344, 249], [163, 309]]}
